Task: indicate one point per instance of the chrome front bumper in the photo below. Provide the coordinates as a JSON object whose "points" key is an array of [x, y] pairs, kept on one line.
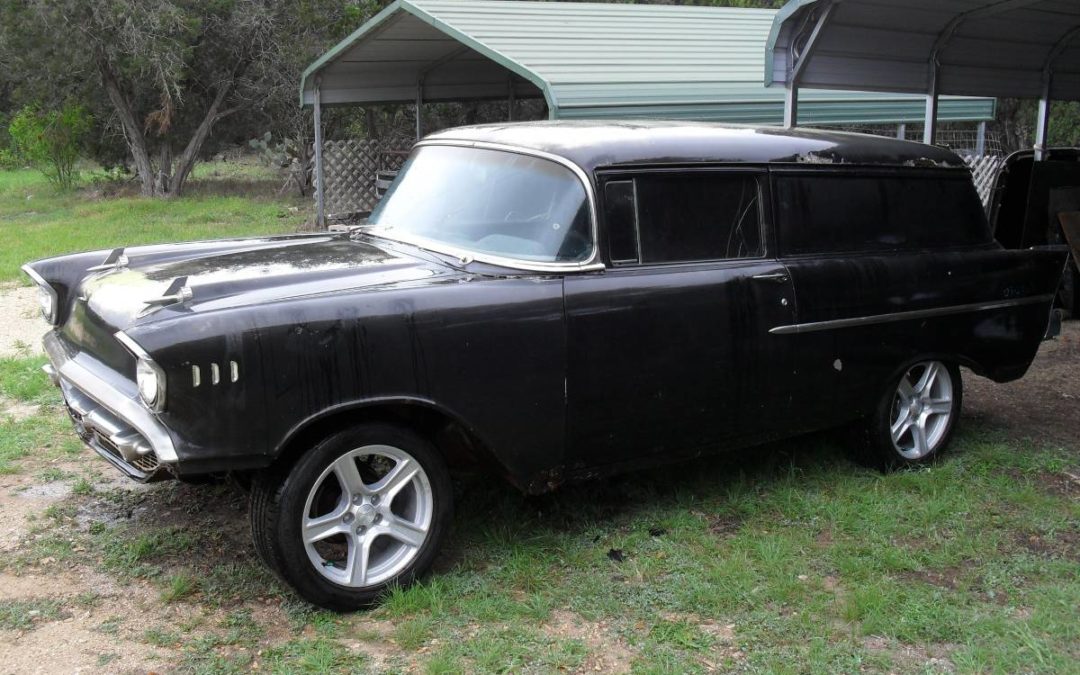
{"points": [[108, 414]]}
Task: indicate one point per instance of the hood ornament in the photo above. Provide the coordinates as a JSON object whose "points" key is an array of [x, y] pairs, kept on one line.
{"points": [[177, 293], [114, 261]]}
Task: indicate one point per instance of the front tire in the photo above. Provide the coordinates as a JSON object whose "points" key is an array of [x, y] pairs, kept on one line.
{"points": [[366, 508], [915, 417]]}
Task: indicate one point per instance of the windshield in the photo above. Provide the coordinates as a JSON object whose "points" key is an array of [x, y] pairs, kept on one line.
{"points": [[488, 201]]}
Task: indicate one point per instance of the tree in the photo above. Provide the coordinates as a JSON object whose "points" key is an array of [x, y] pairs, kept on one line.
{"points": [[51, 140], [169, 70]]}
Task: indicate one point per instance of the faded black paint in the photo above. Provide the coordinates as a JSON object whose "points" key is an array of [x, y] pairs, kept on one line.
{"points": [[557, 375]]}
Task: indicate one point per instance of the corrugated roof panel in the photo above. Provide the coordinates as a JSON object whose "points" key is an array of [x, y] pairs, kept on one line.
{"points": [[605, 60], [987, 48]]}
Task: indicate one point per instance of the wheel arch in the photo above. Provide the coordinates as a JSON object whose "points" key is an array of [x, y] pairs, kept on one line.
{"points": [[461, 445]]}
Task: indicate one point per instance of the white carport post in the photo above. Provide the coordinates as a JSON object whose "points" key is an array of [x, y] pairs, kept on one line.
{"points": [[930, 119], [1042, 128], [796, 62], [1042, 125], [320, 192], [419, 106]]}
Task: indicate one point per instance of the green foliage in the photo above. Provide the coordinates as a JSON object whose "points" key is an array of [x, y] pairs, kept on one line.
{"points": [[51, 140]]}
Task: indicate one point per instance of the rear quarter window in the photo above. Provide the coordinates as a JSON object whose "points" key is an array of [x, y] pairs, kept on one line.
{"points": [[841, 213]]}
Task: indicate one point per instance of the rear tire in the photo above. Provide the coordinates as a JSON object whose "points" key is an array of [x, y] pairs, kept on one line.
{"points": [[915, 418], [365, 509]]}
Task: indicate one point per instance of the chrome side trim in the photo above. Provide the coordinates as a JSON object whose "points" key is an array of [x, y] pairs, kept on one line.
{"points": [[91, 378], [907, 316], [592, 264], [131, 345]]}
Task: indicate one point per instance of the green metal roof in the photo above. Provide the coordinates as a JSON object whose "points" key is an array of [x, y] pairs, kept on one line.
{"points": [[591, 60]]}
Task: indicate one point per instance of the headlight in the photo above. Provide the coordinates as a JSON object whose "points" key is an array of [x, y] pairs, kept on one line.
{"points": [[150, 384], [46, 295], [149, 377], [48, 303]]}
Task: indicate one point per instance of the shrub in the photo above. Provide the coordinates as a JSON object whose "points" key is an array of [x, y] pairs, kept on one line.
{"points": [[51, 140]]}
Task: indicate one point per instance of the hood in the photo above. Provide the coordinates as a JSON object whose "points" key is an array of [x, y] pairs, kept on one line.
{"points": [[251, 272]]}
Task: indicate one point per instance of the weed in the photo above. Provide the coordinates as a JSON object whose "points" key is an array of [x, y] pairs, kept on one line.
{"points": [[179, 587], [26, 614], [83, 487]]}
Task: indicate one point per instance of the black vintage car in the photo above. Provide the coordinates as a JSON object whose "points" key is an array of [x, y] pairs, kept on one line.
{"points": [[550, 301]]}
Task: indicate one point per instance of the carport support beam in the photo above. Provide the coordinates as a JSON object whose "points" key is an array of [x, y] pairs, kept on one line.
{"points": [[797, 63], [791, 106], [320, 193], [930, 120], [1042, 127], [419, 107]]}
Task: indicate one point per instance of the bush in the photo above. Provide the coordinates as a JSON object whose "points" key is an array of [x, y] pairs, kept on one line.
{"points": [[51, 140]]}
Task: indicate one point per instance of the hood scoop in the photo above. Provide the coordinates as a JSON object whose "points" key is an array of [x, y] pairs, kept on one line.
{"points": [[178, 292]]}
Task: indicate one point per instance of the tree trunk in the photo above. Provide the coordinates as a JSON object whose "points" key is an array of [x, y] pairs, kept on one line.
{"points": [[133, 132], [163, 182], [191, 153]]}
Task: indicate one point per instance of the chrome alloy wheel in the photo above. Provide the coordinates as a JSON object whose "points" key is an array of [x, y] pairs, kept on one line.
{"points": [[367, 516], [922, 409]]}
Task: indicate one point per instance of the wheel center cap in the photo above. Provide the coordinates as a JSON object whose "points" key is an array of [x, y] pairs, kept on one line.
{"points": [[365, 515], [916, 407]]}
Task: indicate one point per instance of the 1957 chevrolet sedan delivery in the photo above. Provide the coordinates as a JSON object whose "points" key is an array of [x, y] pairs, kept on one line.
{"points": [[550, 301]]}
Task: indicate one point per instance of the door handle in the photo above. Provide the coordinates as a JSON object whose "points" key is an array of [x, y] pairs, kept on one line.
{"points": [[775, 277]]}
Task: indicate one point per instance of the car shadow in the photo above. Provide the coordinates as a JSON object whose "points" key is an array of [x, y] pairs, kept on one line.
{"points": [[203, 531]]}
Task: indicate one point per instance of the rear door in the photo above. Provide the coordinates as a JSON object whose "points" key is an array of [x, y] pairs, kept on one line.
{"points": [[888, 265], [669, 349]]}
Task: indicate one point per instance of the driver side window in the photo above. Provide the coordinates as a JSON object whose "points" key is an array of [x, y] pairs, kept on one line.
{"points": [[675, 217]]}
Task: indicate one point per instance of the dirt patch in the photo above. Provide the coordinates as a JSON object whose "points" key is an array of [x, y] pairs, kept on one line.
{"points": [[93, 628], [21, 325], [1042, 405], [17, 410], [375, 641], [948, 578], [22, 502], [934, 658], [725, 524], [1062, 544], [607, 652], [1064, 484]]}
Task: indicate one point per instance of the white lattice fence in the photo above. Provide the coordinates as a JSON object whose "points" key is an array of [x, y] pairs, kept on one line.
{"points": [[349, 169], [983, 171]]}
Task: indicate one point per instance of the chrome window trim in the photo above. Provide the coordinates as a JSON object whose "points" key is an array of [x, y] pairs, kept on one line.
{"points": [[47, 287], [891, 317], [131, 410], [591, 264]]}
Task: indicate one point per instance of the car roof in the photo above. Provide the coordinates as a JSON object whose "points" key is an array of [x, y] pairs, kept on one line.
{"points": [[597, 144]]}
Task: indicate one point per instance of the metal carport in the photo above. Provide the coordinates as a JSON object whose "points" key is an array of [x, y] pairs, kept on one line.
{"points": [[587, 60], [1000, 48]]}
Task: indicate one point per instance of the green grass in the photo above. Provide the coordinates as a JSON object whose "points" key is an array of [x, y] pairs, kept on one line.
{"points": [[38, 221], [26, 614], [21, 379]]}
